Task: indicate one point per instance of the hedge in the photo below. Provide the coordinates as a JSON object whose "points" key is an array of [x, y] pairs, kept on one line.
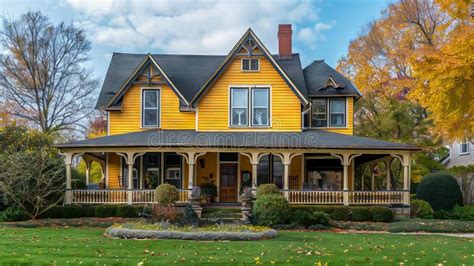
{"points": [[352, 213], [76, 211], [440, 190]]}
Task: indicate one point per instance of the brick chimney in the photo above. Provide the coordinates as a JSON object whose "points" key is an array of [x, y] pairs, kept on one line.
{"points": [[284, 41]]}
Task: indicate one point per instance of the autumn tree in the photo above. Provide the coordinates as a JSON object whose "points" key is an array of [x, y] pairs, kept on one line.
{"points": [[42, 73], [420, 51]]}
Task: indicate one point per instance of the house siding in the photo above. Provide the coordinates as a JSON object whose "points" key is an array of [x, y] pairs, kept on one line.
{"points": [[213, 114]]}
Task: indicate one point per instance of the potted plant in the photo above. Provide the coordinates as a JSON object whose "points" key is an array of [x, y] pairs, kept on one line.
{"points": [[209, 190]]}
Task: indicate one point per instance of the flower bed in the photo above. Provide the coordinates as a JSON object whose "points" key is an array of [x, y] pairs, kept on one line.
{"points": [[216, 232]]}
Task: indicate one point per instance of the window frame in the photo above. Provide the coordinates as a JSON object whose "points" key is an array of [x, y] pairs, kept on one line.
{"points": [[328, 112], [468, 151], [325, 113], [143, 108], [252, 105], [250, 89], [250, 64]]}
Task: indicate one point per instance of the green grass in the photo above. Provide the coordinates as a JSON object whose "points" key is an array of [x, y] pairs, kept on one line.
{"points": [[88, 245]]}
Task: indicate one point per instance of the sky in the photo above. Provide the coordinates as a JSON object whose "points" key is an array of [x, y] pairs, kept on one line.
{"points": [[322, 29]]}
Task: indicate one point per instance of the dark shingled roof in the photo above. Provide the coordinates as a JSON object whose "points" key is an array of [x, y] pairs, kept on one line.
{"points": [[317, 75], [187, 72], [311, 139]]}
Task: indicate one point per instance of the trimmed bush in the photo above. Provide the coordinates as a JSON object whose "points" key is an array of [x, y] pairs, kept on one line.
{"points": [[271, 209], [465, 213], [127, 211], [360, 214], [105, 211], [420, 209], [341, 213], [13, 214], [381, 214], [69, 211], [267, 189], [445, 215], [440, 190], [166, 194]]}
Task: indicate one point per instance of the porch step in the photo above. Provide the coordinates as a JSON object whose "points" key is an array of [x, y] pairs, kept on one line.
{"points": [[225, 215]]}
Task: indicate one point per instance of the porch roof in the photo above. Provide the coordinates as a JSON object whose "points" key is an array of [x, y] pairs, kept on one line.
{"points": [[310, 139]]}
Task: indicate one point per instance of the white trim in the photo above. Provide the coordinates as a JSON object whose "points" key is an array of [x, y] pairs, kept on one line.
{"points": [[328, 113], [159, 107], [196, 118], [108, 122], [106, 170], [250, 64], [168, 79]]}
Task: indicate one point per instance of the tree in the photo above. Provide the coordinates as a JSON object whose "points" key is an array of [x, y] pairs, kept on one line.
{"points": [[420, 51], [43, 75]]}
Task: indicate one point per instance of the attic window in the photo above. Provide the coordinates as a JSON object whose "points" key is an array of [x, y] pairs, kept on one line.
{"points": [[250, 64], [151, 108]]}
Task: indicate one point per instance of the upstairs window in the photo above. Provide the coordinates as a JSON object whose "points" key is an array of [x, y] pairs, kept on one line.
{"points": [[250, 64], [464, 148], [328, 112], [150, 108], [249, 106]]}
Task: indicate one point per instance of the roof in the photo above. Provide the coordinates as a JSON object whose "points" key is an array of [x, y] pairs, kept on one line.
{"points": [[317, 75], [311, 139], [188, 72]]}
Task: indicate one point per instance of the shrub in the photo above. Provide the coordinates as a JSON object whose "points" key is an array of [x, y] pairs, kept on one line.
{"points": [[381, 214], [166, 194], [302, 217], [209, 189], [465, 213], [127, 211], [440, 190], [340, 213], [12, 214], [105, 211], [360, 214], [267, 189], [190, 217], [166, 213], [271, 209], [69, 211], [445, 215], [420, 209]]}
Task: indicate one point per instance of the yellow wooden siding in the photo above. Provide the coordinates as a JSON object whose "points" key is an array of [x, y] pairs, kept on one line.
{"points": [[114, 171], [349, 130], [129, 119], [213, 113]]}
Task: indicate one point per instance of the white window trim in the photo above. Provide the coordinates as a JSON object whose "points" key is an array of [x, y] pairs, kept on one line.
{"points": [[159, 107], [325, 114], [337, 113], [328, 113], [468, 150], [249, 108], [253, 106], [231, 107], [250, 65]]}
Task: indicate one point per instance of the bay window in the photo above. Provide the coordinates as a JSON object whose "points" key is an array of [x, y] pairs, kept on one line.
{"points": [[150, 108], [249, 106]]}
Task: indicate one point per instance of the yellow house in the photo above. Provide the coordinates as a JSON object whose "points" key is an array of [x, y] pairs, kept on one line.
{"points": [[237, 120]]}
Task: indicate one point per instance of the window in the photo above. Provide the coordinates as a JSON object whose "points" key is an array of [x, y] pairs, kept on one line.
{"points": [[151, 169], [254, 111], [328, 112], [173, 169], [239, 106], [464, 148], [151, 108], [319, 113], [270, 170], [250, 64], [260, 107]]}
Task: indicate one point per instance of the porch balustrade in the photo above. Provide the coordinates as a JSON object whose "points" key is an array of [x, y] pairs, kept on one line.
{"points": [[118, 196]]}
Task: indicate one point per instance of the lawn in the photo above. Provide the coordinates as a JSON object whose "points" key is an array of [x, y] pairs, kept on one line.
{"points": [[88, 245]]}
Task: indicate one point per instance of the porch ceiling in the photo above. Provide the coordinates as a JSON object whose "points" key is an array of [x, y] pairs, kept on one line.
{"points": [[311, 139]]}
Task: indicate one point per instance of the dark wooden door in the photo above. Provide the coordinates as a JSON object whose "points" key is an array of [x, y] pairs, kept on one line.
{"points": [[228, 182]]}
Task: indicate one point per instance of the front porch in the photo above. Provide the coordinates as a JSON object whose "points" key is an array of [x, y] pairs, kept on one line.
{"points": [[336, 177]]}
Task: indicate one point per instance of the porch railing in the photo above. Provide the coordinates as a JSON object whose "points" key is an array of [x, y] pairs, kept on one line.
{"points": [[376, 197], [117, 196], [314, 197]]}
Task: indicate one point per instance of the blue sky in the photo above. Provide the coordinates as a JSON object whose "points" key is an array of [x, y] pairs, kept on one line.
{"points": [[321, 29]]}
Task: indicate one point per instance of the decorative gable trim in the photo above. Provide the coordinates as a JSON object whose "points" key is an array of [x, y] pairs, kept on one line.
{"points": [[248, 42], [148, 61]]}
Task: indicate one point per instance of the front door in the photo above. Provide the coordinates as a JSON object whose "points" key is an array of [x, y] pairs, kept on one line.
{"points": [[228, 182]]}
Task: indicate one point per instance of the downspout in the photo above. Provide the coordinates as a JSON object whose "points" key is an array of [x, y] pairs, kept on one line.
{"points": [[302, 116]]}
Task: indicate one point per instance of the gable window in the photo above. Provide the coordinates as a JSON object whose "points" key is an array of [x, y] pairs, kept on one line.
{"points": [[464, 148], [250, 106], [338, 112], [328, 112], [250, 64], [151, 108]]}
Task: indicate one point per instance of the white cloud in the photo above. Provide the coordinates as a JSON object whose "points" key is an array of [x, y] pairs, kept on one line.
{"points": [[186, 26]]}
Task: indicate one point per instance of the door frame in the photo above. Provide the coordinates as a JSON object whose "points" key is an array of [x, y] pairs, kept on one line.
{"points": [[236, 164]]}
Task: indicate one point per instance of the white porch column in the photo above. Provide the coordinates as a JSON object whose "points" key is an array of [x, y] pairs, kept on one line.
{"points": [[405, 160], [346, 159], [286, 158], [372, 183], [191, 158], [130, 158], [387, 166], [68, 161], [254, 158], [88, 164]]}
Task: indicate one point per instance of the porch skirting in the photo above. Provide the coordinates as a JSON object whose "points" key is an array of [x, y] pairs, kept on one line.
{"points": [[295, 197]]}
